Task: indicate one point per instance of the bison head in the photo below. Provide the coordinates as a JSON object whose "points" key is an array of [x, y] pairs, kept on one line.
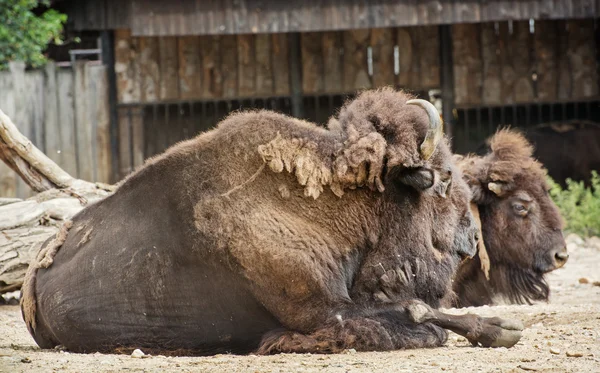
{"points": [[521, 226]]}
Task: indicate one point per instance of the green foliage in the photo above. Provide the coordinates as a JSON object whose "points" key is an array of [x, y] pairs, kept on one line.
{"points": [[579, 206], [24, 35]]}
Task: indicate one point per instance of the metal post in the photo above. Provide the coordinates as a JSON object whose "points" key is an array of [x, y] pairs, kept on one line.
{"points": [[108, 59], [295, 64], [447, 77]]}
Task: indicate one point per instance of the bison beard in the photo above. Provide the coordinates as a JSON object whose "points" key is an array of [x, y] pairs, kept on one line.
{"points": [[270, 233]]}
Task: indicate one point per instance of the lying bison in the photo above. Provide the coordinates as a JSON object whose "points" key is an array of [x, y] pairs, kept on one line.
{"points": [[271, 234], [522, 227]]}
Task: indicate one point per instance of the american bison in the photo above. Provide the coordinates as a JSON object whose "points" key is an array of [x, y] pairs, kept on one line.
{"points": [[521, 225], [271, 234]]}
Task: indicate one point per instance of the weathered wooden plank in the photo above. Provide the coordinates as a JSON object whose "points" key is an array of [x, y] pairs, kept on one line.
{"points": [[84, 124], [66, 119], [168, 66], [126, 69], [491, 69], [507, 82], [545, 37], [148, 60], [99, 110], [246, 65], [582, 58], [565, 78], [522, 61], [52, 124], [429, 57], [229, 65], [8, 178], [332, 62], [312, 63], [356, 75], [406, 55], [212, 79], [467, 64], [190, 67], [125, 147], [137, 136], [280, 60], [20, 93], [264, 70], [382, 47]]}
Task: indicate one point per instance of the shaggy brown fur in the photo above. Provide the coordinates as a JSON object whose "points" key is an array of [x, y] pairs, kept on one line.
{"points": [[521, 225], [207, 249]]}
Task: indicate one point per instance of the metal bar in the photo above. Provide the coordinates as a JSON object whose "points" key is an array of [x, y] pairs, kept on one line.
{"points": [[447, 77], [295, 64]]}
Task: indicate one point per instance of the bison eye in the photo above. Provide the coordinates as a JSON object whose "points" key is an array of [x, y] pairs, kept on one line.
{"points": [[520, 209]]}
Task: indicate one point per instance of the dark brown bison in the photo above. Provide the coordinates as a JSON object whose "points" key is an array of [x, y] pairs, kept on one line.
{"points": [[269, 233], [521, 226]]}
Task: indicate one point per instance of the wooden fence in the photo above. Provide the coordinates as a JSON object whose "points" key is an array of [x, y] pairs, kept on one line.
{"points": [[65, 113]]}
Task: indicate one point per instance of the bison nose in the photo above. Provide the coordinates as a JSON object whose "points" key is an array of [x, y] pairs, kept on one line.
{"points": [[560, 257]]}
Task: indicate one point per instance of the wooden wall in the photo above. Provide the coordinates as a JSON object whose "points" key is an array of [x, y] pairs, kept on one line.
{"points": [[163, 69], [65, 113], [512, 63]]}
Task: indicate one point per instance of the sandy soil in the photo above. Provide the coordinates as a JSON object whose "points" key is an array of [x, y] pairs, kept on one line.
{"points": [[561, 336]]}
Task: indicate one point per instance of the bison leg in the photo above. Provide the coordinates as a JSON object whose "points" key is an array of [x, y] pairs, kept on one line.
{"points": [[489, 332], [388, 330]]}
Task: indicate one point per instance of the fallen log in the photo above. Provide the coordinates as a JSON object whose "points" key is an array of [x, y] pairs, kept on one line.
{"points": [[26, 224]]}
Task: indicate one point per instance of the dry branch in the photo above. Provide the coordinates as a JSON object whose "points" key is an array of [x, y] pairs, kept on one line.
{"points": [[26, 224]]}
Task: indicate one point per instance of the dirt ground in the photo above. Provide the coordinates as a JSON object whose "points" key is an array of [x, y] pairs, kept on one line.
{"points": [[561, 336]]}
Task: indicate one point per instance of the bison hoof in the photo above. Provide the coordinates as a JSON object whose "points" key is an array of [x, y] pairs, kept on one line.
{"points": [[500, 333], [419, 312]]}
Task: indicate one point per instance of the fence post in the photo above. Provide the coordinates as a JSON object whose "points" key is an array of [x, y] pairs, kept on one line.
{"points": [[295, 74]]}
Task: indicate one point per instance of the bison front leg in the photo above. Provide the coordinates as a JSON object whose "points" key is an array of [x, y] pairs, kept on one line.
{"points": [[487, 332]]}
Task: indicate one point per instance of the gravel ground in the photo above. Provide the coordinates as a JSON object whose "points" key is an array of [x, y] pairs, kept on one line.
{"points": [[561, 336]]}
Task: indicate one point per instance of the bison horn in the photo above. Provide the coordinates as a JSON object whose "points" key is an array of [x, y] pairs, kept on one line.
{"points": [[436, 127], [495, 188]]}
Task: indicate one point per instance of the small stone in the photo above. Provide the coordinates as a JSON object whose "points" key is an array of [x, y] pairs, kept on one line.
{"points": [[574, 354], [350, 351], [26, 360], [596, 283], [527, 367], [584, 280], [137, 353], [555, 351]]}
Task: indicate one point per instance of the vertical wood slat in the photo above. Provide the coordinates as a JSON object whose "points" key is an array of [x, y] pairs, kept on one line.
{"points": [[190, 67], [491, 68], [127, 67], [429, 57], [582, 58], [149, 70], [168, 68], [280, 64], [212, 78], [522, 61], [264, 70], [332, 62], [51, 114], [356, 74], [546, 58], [66, 117], [467, 63], [98, 115], [406, 53], [17, 70], [382, 46], [246, 65], [84, 126], [312, 62], [8, 178], [229, 66]]}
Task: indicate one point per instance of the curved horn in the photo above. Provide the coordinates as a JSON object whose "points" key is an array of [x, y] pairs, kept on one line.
{"points": [[436, 127], [495, 188]]}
